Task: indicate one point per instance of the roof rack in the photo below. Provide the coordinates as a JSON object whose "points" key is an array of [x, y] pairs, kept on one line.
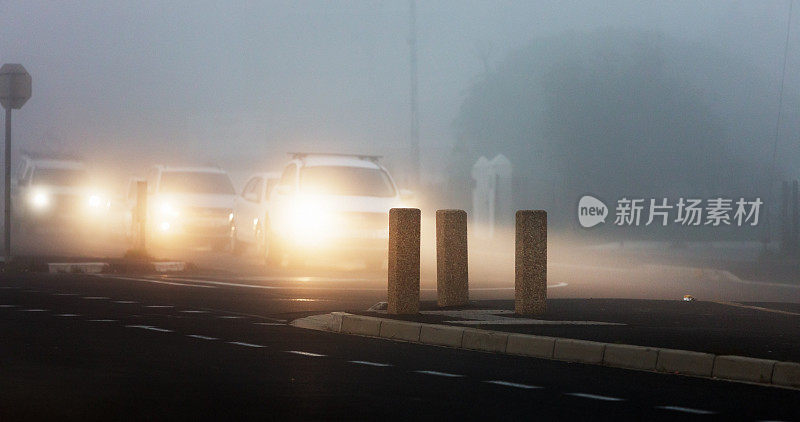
{"points": [[302, 155]]}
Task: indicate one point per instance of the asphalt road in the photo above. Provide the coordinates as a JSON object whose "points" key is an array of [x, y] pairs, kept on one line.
{"points": [[87, 347]]}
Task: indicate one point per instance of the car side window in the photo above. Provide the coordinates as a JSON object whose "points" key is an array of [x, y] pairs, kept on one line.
{"points": [[252, 190], [270, 184], [258, 189], [26, 178], [248, 187], [287, 178]]}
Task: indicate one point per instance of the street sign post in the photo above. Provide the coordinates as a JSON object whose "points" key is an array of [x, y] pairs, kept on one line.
{"points": [[15, 90]]}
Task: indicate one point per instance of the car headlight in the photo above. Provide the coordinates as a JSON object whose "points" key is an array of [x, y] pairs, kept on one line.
{"points": [[166, 209], [97, 202], [310, 219], [40, 199]]}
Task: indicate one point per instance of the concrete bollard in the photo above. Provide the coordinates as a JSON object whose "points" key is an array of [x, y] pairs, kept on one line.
{"points": [[530, 272], [404, 225], [452, 285]]}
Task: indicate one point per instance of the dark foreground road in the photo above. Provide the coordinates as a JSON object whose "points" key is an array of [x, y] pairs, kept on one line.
{"points": [[88, 348]]}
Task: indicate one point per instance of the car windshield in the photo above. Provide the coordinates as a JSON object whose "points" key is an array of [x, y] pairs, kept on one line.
{"points": [[195, 182], [59, 177], [350, 181]]}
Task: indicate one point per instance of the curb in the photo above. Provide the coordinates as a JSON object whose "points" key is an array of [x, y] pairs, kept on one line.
{"points": [[654, 359], [113, 267]]}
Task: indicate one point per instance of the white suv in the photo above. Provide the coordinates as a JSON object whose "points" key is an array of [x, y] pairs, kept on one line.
{"points": [[190, 203], [330, 204], [52, 191]]}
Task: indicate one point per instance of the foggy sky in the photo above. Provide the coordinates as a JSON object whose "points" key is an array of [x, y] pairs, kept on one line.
{"points": [[232, 82]]}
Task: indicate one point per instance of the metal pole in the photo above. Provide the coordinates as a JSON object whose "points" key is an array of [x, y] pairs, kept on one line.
{"points": [[7, 221], [412, 43]]}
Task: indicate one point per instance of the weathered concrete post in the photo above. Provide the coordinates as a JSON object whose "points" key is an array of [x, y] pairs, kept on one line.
{"points": [[530, 281], [404, 225], [452, 285]]}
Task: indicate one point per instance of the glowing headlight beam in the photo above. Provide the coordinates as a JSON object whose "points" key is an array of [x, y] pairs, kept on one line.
{"points": [[40, 200]]}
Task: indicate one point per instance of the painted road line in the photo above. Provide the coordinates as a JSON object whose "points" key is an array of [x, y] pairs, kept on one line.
{"points": [[147, 280], [68, 315], [687, 410], [269, 323], [229, 317], [96, 298], [65, 294], [364, 362], [241, 343], [150, 327], [512, 384], [33, 310], [125, 302], [192, 311], [8, 306], [594, 397], [439, 374], [301, 353], [489, 289], [159, 306], [201, 337], [102, 320]]}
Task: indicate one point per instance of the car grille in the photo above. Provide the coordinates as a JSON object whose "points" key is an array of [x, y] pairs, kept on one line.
{"points": [[364, 220]]}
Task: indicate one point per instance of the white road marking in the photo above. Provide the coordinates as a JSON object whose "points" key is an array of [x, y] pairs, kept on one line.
{"points": [[201, 337], [364, 362], [229, 317], [33, 310], [192, 311], [8, 287], [512, 384], [8, 306], [125, 302], [687, 410], [151, 328], [301, 353], [96, 298], [241, 343], [594, 397], [65, 294], [269, 323], [439, 374], [67, 315], [102, 320], [159, 306], [147, 280], [549, 286]]}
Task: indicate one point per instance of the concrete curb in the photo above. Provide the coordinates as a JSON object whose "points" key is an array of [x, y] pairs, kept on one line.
{"points": [[668, 361], [78, 267], [116, 267]]}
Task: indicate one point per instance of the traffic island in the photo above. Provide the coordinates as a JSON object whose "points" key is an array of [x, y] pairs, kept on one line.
{"points": [[576, 330], [88, 265]]}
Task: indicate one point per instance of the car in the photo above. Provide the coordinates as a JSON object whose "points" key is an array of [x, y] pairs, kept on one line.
{"points": [[250, 212], [57, 192], [330, 204], [189, 205]]}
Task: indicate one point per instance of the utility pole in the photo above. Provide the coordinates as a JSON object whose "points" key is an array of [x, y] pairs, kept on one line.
{"points": [[412, 44]]}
